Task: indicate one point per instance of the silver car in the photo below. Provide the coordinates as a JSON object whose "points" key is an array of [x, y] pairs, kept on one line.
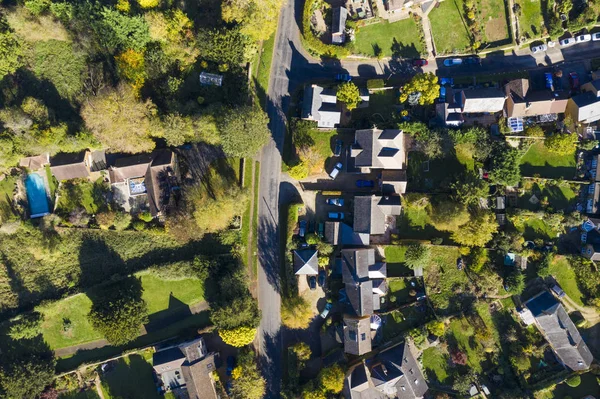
{"points": [[596, 37], [539, 49], [584, 38], [567, 42]]}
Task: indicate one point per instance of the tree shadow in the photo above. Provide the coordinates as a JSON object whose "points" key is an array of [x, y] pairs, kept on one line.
{"points": [[177, 310], [272, 366], [130, 379], [400, 50]]}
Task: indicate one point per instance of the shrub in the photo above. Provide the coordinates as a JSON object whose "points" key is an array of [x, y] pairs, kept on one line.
{"points": [[296, 312], [238, 337], [375, 84], [417, 255], [105, 219], [138, 225], [148, 3], [145, 216], [122, 221], [573, 381]]}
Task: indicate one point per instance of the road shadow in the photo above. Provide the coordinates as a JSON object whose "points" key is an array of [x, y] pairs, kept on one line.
{"points": [[271, 369]]}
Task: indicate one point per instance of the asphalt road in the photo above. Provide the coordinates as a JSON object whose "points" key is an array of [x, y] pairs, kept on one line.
{"points": [[291, 68]]}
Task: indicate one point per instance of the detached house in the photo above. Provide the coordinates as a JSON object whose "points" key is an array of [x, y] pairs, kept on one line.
{"points": [[306, 262], [393, 373], [187, 368], [81, 165], [585, 107], [365, 285], [320, 105], [338, 28], [560, 332]]}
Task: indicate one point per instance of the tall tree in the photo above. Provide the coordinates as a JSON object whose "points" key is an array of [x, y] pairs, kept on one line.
{"points": [[504, 165], [118, 311], [478, 231], [257, 17], [10, 50], [118, 31], [561, 143], [120, 121], [244, 131], [426, 84], [348, 94], [449, 215], [247, 382], [469, 188], [417, 255], [27, 375], [332, 378]]}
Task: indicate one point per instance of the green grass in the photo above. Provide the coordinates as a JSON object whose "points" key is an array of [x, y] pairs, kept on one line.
{"points": [[246, 215], [7, 187], [52, 183], [399, 288], [441, 170], [560, 195], [394, 39], [589, 383], [539, 161], [537, 228], [464, 334], [262, 68], [531, 20], [443, 279], [82, 193], [87, 394], [394, 256], [414, 223], [449, 30], [565, 276], [157, 294], [184, 329], [255, 218], [399, 321], [131, 378], [493, 18], [435, 365]]}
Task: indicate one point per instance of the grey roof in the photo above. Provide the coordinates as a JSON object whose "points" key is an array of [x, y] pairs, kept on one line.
{"points": [[393, 181], [321, 106], [197, 375], [589, 107], [340, 14], [393, 373], [306, 262], [364, 280], [337, 233], [482, 101], [211, 79], [559, 330], [357, 335], [379, 149], [356, 264], [370, 212], [66, 166]]}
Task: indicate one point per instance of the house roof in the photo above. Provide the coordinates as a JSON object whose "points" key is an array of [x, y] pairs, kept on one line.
{"points": [[130, 167], [393, 181], [517, 89], [379, 149], [156, 180], [482, 101], [197, 375], [66, 166], [35, 162], [370, 212], [306, 262], [357, 335], [537, 103], [321, 106], [364, 280], [337, 233], [559, 330], [589, 107], [340, 14]]}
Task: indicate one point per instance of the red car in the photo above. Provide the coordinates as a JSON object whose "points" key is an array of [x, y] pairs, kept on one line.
{"points": [[574, 79], [420, 62]]}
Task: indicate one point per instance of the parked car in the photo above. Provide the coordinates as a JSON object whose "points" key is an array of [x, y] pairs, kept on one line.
{"points": [[312, 283], [343, 77], [365, 183], [321, 230], [596, 37], [336, 170], [311, 227], [569, 41], [583, 38], [302, 230], [335, 201], [230, 365], [539, 49], [420, 62], [338, 148], [322, 277], [473, 60], [336, 215], [325, 311], [549, 81], [574, 80], [452, 62], [558, 291]]}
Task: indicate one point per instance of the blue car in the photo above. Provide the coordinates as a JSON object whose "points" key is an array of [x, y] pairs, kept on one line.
{"points": [[452, 62], [343, 77], [365, 183], [230, 365], [549, 81]]}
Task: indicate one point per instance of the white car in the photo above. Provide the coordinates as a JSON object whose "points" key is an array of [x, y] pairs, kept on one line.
{"points": [[584, 38], [596, 36], [539, 49], [567, 42], [336, 170]]}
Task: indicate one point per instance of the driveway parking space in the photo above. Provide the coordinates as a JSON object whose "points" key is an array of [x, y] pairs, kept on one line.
{"points": [[345, 182], [323, 209], [538, 81]]}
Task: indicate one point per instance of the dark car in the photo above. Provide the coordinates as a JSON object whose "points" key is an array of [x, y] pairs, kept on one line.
{"points": [[365, 183], [322, 277], [338, 148], [574, 80], [311, 227], [312, 282], [420, 62], [343, 77], [230, 365], [321, 230], [302, 231], [473, 61]]}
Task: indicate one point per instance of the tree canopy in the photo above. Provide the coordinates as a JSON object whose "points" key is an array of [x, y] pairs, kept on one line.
{"points": [[424, 83], [561, 143], [348, 94], [332, 378], [504, 165], [244, 131], [417, 255], [248, 383], [478, 231], [10, 50]]}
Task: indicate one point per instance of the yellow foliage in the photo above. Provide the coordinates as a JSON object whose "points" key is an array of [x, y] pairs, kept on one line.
{"points": [[238, 337], [237, 372], [123, 6], [130, 65], [148, 3]]}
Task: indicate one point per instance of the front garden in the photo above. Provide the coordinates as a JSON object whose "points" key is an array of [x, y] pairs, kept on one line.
{"points": [[398, 39]]}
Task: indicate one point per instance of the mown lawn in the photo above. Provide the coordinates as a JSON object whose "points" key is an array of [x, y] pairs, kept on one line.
{"points": [[435, 365], [262, 69], [565, 276], [414, 223], [449, 30], [399, 288], [464, 335], [87, 394], [531, 20], [561, 196], [399, 39], [131, 378], [537, 228], [434, 175], [162, 297], [394, 257], [539, 161], [400, 321]]}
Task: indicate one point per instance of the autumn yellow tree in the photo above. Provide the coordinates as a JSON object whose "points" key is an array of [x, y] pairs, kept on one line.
{"points": [[238, 337], [426, 85], [146, 4], [257, 17], [130, 65]]}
